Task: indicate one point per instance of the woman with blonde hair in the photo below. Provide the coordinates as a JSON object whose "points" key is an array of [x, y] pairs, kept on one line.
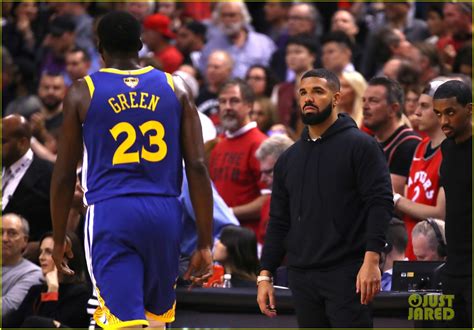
{"points": [[353, 86]]}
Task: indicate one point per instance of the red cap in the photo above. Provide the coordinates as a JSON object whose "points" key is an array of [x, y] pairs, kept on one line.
{"points": [[159, 23]]}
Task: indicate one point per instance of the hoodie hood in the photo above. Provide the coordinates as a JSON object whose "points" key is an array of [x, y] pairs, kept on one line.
{"points": [[343, 122]]}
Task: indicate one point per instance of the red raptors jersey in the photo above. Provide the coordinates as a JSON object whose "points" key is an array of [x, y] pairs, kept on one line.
{"points": [[423, 184]]}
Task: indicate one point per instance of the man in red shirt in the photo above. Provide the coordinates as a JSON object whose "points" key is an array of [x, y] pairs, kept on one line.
{"points": [[157, 35], [233, 167], [423, 180]]}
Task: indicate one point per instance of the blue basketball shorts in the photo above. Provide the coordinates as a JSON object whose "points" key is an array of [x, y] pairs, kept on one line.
{"points": [[132, 253]]}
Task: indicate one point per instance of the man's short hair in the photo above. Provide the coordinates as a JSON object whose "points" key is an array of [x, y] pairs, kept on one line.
{"points": [[25, 226], [338, 37], [304, 40], [331, 78], [454, 88], [119, 32], [396, 235], [275, 145], [424, 228], [246, 92], [85, 53], [197, 28], [247, 19], [393, 88]]}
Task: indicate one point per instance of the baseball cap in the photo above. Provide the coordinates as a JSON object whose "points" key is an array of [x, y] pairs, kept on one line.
{"points": [[159, 23], [61, 24]]}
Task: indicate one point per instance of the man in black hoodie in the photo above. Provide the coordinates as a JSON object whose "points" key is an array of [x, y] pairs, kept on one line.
{"points": [[331, 204]]}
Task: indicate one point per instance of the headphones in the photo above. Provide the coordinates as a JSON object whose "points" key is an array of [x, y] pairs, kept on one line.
{"points": [[442, 246]]}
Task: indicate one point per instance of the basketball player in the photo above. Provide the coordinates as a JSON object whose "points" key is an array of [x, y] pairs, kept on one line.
{"points": [[136, 125]]}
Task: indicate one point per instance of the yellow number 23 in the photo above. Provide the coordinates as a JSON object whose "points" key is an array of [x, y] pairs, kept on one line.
{"points": [[122, 156]]}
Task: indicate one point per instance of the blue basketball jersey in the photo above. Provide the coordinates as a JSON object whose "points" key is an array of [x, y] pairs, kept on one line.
{"points": [[131, 135]]}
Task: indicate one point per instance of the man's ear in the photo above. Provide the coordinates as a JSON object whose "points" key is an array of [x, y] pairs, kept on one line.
{"points": [[396, 108], [335, 99]]}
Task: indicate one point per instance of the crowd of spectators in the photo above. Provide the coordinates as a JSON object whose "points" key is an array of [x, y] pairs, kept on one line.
{"points": [[243, 63]]}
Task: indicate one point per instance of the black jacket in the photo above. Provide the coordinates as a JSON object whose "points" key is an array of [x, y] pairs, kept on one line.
{"points": [[70, 308], [331, 200], [31, 198]]}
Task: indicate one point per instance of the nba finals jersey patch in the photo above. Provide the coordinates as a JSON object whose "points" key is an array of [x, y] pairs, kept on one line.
{"points": [[131, 82]]}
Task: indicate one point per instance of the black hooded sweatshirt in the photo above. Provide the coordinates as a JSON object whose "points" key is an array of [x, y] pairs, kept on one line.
{"points": [[331, 200]]}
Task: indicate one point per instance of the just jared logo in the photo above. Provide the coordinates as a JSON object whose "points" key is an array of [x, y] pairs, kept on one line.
{"points": [[431, 307]]}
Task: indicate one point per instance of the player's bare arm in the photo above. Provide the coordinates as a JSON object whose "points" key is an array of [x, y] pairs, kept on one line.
{"points": [[64, 175], [200, 266]]}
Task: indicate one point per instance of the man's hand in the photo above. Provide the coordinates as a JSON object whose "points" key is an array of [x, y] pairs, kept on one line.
{"points": [[61, 253], [368, 278], [266, 298], [200, 267], [37, 123]]}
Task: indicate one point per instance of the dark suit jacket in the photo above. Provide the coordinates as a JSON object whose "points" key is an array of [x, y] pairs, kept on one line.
{"points": [[31, 198]]}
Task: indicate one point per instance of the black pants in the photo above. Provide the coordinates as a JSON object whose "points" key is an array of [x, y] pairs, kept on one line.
{"points": [[461, 289], [328, 299]]}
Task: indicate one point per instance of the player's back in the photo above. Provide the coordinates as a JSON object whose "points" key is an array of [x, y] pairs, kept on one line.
{"points": [[131, 135]]}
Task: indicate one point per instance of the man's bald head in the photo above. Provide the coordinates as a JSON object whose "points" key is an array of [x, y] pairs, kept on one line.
{"points": [[19, 126], [15, 138]]}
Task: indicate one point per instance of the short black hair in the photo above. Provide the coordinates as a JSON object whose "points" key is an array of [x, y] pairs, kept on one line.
{"points": [[454, 88], [338, 37], [396, 235], [119, 32], [197, 28], [85, 53], [304, 40], [394, 90], [331, 78], [246, 92]]}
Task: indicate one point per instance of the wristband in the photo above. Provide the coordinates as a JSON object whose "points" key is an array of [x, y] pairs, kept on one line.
{"points": [[396, 198], [262, 278]]}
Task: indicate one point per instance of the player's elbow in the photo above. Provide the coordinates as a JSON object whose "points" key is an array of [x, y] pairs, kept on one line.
{"points": [[196, 167]]}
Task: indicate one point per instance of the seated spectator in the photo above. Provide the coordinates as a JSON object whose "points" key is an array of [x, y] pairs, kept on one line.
{"points": [[18, 274], [429, 241], [236, 250], [397, 239], [59, 302], [267, 154], [25, 178], [261, 79], [264, 114]]}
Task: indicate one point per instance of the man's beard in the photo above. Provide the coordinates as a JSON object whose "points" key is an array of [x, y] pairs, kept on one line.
{"points": [[311, 118], [231, 30], [230, 123], [51, 104]]}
